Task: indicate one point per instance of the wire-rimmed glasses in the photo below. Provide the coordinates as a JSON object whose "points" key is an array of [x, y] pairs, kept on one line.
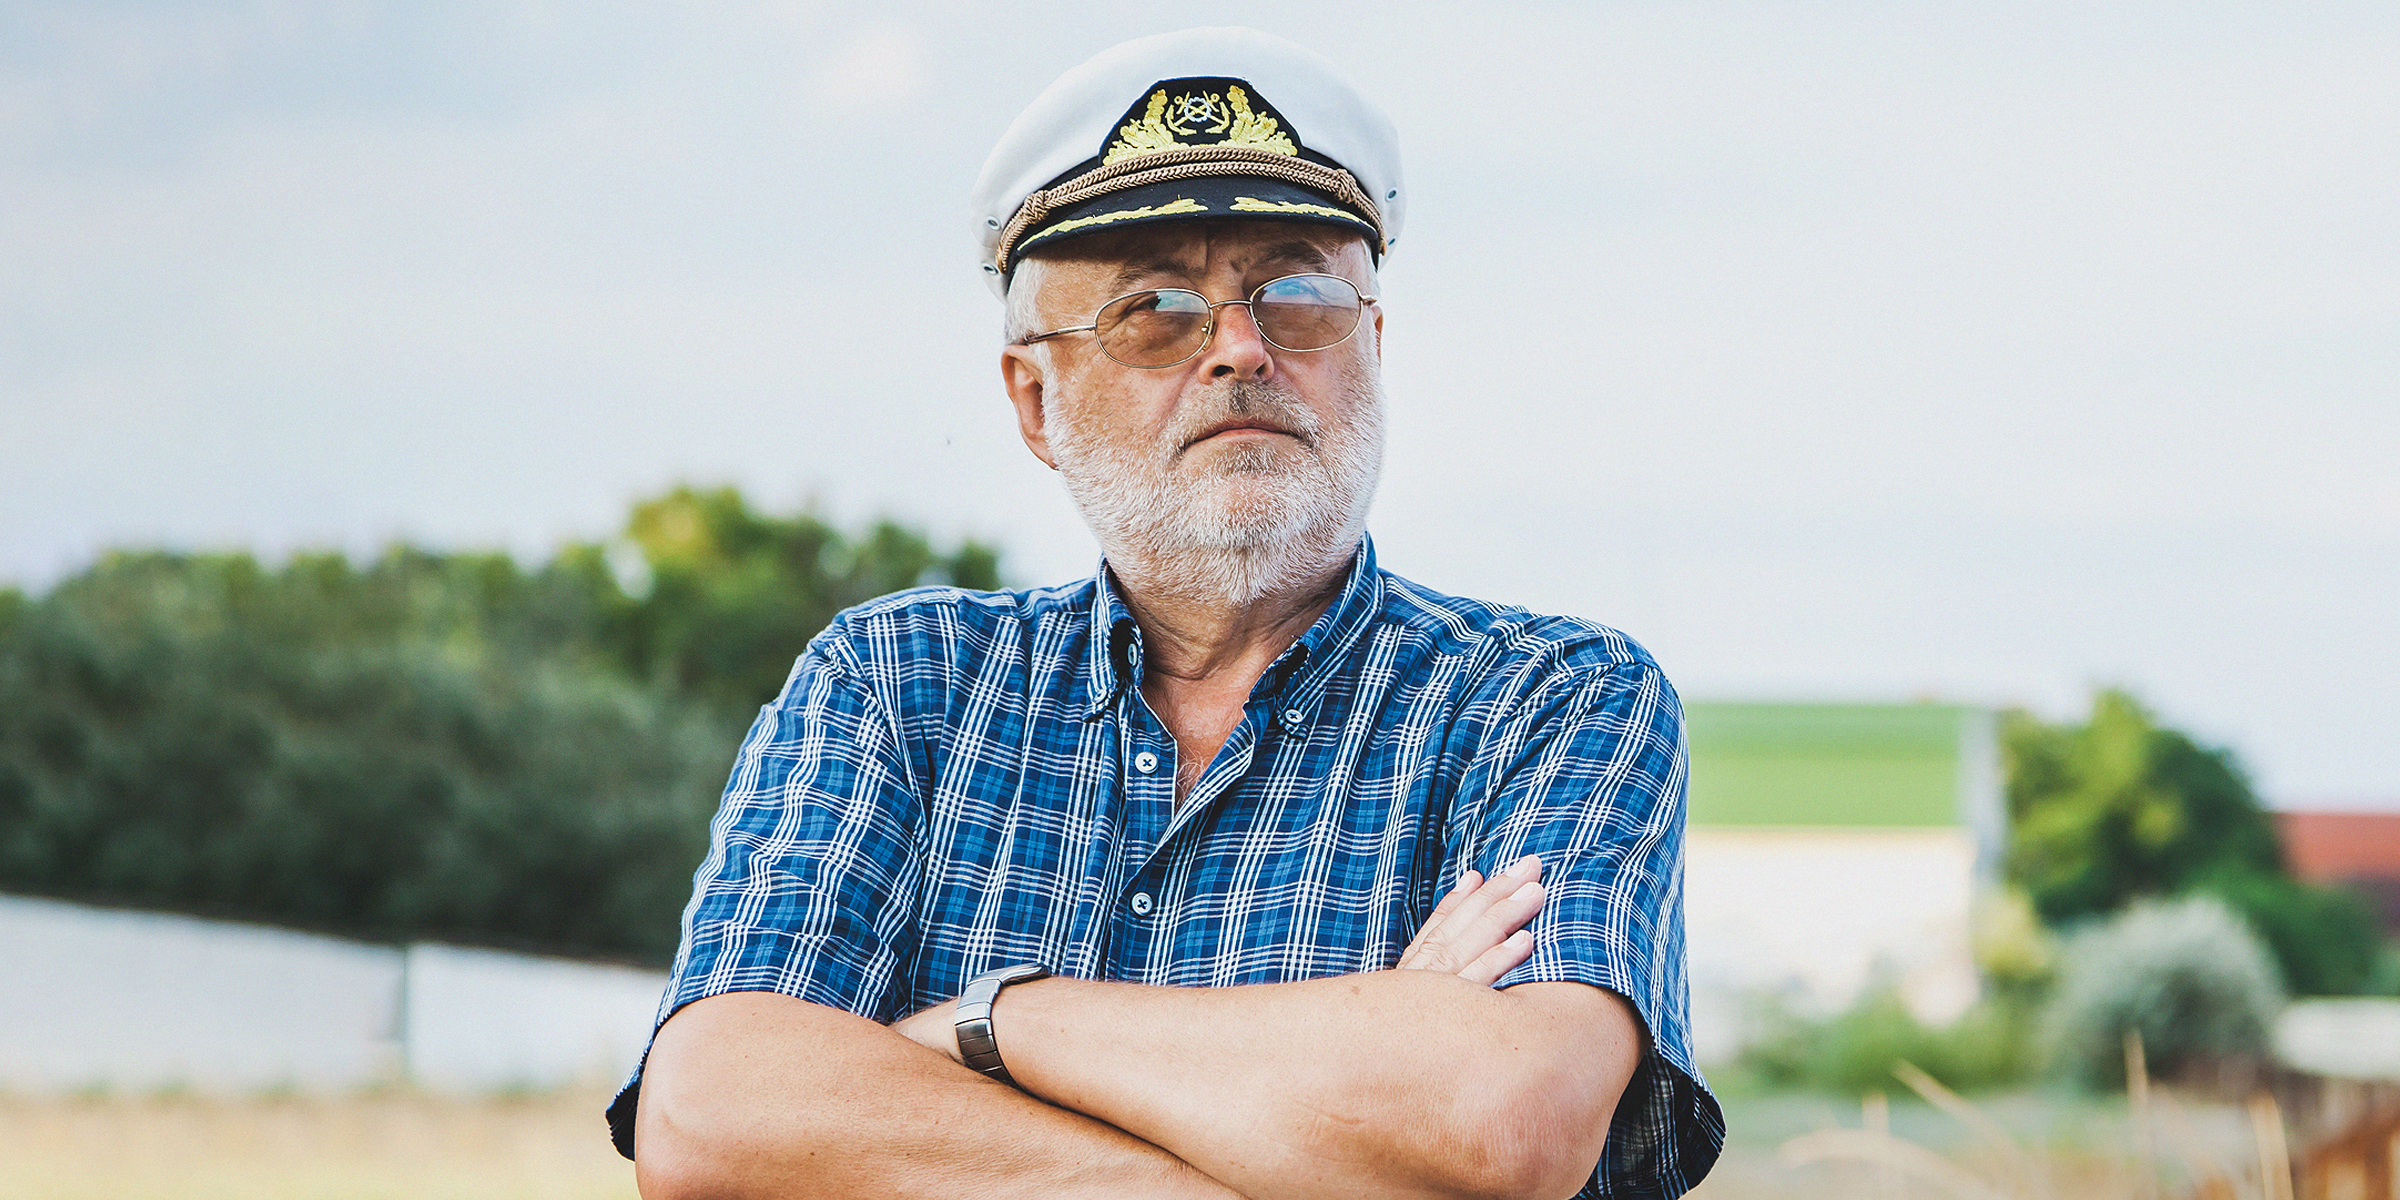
{"points": [[1164, 327]]}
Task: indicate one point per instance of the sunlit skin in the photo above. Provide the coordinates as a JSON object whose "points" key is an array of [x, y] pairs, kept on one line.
{"points": [[1201, 659]]}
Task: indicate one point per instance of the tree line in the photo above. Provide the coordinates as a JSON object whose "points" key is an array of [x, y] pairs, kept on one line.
{"points": [[422, 745], [459, 746]]}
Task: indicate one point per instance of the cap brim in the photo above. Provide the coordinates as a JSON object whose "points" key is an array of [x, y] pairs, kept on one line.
{"points": [[1208, 197]]}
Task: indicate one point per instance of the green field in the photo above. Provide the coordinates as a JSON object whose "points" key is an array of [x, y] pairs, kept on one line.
{"points": [[1879, 765]]}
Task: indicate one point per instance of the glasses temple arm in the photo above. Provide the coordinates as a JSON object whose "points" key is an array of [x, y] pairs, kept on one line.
{"points": [[1031, 338]]}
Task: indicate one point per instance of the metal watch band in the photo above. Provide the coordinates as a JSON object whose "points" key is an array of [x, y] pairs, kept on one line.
{"points": [[975, 1041]]}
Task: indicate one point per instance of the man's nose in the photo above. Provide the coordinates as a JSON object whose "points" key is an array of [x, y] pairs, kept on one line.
{"points": [[1237, 348]]}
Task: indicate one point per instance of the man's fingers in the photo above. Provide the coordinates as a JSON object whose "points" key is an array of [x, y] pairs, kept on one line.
{"points": [[1463, 919], [1476, 918], [1504, 919], [1463, 947], [1430, 935], [1466, 885], [1489, 966]]}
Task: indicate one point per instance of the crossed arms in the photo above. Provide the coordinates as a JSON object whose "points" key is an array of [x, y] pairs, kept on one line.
{"points": [[1420, 1081]]}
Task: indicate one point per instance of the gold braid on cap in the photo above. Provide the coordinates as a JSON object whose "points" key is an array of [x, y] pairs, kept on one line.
{"points": [[1186, 162]]}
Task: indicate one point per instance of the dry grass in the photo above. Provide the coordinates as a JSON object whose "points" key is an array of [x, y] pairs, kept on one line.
{"points": [[2027, 1146], [2055, 1146], [402, 1146], [2022, 1147]]}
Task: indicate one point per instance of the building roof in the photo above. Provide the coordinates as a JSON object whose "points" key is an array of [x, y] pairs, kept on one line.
{"points": [[2330, 847], [2360, 850]]}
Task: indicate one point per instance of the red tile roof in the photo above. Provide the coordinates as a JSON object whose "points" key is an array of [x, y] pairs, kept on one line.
{"points": [[2323, 847]]}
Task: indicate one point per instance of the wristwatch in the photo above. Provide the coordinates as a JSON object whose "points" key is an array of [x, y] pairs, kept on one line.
{"points": [[975, 1041]]}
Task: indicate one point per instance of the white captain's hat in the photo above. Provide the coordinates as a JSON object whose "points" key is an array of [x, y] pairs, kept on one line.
{"points": [[1200, 124]]}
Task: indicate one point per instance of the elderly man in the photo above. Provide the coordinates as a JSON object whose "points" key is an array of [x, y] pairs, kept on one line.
{"points": [[1245, 868]]}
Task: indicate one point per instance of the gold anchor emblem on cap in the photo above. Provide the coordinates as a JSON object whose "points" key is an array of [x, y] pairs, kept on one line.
{"points": [[1203, 109], [1196, 116]]}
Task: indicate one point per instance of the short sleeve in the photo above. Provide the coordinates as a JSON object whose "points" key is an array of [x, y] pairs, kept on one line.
{"points": [[809, 886], [1587, 771]]}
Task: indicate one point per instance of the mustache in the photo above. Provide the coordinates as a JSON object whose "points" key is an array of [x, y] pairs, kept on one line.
{"points": [[1245, 400]]}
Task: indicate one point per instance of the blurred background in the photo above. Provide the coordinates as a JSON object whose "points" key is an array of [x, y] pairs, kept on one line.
{"points": [[428, 431]]}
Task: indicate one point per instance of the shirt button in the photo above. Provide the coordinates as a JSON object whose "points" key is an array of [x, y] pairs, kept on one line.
{"points": [[1145, 762], [1141, 904], [1293, 717]]}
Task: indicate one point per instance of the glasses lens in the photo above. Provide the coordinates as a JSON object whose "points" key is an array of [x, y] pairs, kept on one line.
{"points": [[1306, 312], [1153, 329]]}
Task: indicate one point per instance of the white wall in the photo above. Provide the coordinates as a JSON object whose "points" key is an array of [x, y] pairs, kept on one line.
{"points": [[2354, 1038], [1810, 913], [96, 998], [479, 1019], [136, 1001]]}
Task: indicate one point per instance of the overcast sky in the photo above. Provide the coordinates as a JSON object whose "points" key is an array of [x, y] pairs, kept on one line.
{"points": [[1978, 351]]}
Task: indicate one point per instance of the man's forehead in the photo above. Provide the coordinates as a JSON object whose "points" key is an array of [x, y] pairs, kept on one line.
{"points": [[1196, 247]]}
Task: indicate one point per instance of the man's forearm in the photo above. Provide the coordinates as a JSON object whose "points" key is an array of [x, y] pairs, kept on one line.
{"points": [[1421, 1081], [761, 1095], [1393, 1083]]}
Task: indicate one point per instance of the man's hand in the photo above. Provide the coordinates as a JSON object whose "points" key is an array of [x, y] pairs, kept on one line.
{"points": [[1478, 931], [934, 1028]]}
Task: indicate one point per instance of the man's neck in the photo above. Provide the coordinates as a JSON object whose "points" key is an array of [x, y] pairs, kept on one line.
{"points": [[1197, 641], [1201, 658]]}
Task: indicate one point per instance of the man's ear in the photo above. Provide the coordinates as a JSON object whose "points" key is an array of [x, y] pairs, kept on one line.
{"points": [[1024, 377]]}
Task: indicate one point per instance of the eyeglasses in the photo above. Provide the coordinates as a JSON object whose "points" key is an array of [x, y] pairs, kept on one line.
{"points": [[1164, 327]]}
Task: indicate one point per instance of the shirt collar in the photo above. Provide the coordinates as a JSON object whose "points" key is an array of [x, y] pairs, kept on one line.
{"points": [[1300, 673], [1113, 653]]}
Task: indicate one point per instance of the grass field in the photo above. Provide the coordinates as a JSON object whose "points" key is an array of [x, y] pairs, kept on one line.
{"points": [[553, 1147]]}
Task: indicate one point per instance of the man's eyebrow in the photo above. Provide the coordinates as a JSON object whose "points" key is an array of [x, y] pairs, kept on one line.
{"points": [[1147, 268], [1298, 251]]}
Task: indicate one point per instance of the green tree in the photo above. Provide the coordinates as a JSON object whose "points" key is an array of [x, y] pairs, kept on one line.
{"points": [[2117, 808], [734, 595], [365, 752], [424, 745]]}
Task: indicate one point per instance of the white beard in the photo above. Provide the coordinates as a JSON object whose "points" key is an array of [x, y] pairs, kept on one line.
{"points": [[1233, 525]]}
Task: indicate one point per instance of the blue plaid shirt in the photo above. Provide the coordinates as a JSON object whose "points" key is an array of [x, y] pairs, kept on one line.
{"points": [[954, 781]]}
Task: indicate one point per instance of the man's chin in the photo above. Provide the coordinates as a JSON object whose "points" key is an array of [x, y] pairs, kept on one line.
{"points": [[1245, 452], [1261, 500], [1237, 521]]}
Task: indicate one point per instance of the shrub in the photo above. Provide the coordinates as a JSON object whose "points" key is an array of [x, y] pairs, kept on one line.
{"points": [[1854, 1051], [2324, 939], [2188, 974]]}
